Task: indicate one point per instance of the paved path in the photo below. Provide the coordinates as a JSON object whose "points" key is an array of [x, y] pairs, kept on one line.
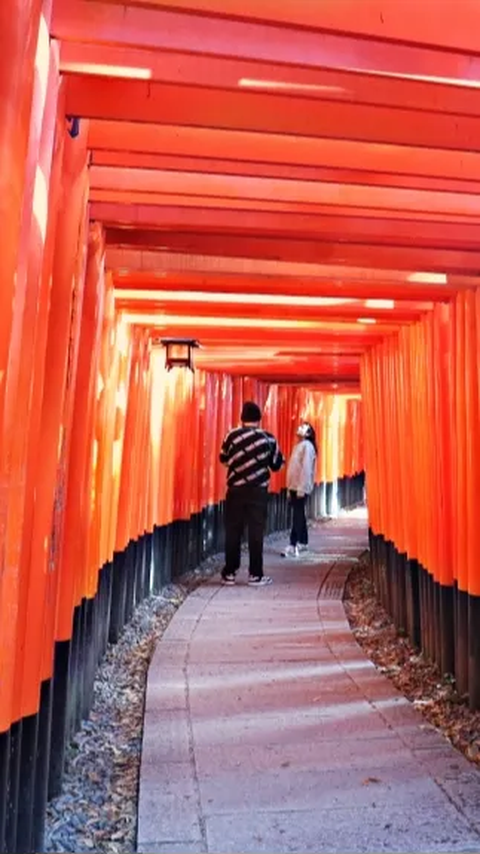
{"points": [[267, 729]]}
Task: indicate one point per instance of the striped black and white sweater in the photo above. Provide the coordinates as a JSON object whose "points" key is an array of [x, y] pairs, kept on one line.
{"points": [[250, 455]]}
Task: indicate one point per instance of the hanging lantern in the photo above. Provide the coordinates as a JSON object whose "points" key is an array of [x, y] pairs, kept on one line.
{"points": [[179, 352]]}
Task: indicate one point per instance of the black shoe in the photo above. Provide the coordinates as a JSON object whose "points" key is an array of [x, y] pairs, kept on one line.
{"points": [[259, 580]]}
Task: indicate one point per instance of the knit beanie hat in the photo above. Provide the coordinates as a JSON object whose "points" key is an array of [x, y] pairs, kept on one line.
{"points": [[250, 412]]}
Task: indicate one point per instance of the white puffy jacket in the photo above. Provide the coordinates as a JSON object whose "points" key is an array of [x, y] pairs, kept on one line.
{"points": [[301, 468]]}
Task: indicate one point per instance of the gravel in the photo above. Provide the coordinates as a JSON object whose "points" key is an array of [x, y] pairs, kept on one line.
{"points": [[434, 694]]}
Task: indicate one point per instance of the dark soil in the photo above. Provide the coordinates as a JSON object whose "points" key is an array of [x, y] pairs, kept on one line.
{"points": [[434, 695]]}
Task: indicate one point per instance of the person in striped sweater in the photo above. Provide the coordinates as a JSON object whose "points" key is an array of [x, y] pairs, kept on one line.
{"points": [[250, 455]]}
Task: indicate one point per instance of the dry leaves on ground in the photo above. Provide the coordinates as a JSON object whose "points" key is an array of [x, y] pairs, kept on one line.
{"points": [[434, 695]]}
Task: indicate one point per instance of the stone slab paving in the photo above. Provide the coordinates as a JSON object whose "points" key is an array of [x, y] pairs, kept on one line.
{"points": [[268, 730]]}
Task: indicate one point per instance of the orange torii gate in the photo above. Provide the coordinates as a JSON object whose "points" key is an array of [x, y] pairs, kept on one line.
{"points": [[285, 182]]}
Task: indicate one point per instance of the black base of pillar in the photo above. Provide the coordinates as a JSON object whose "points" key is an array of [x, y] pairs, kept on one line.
{"points": [[13, 786], [26, 790], [412, 596], [447, 625], [118, 598], [42, 764], [461, 640], [474, 652], [60, 724], [427, 617], [4, 777]]}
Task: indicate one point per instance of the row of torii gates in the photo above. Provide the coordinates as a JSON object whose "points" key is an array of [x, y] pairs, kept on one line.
{"points": [[294, 185]]}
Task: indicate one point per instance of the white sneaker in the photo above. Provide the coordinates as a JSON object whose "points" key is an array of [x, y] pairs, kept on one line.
{"points": [[302, 547], [256, 581], [290, 551]]}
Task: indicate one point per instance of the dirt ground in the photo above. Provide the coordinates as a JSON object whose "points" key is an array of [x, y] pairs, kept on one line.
{"points": [[419, 680]]}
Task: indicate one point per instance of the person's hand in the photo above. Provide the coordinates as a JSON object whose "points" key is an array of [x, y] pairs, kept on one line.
{"points": [[300, 494]]}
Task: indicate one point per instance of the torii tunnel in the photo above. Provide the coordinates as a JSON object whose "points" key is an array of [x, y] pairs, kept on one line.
{"points": [[296, 186]]}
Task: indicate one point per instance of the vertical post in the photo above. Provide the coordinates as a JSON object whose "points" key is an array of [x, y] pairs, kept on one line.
{"points": [[19, 22]]}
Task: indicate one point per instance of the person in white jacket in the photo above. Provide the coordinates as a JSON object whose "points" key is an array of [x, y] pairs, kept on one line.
{"points": [[300, 483]]}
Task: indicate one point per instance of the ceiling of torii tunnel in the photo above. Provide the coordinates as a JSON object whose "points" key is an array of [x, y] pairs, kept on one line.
{"points": [[287, 182]]}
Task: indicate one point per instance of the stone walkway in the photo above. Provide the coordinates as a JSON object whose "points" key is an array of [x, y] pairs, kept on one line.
{"points": [[267, 729]]}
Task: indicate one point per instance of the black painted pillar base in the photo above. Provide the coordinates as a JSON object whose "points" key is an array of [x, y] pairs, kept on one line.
{"points": [[148, 574], [130, 570], [461, 641], [4, 778], [105, 592], [372, 541], [400, 593], [447, 629], [329, 496], [426, 613], [26, 789], [76, 686], [430, 606], [60, 723], [474, 651], [13, 786], [179, 548], [382, 570], [117, 608], [412, 596], [391, 579], [42, 764], [89, 656], [159, 557]]}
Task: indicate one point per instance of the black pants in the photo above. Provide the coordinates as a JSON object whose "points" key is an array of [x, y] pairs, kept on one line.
{"points": [[299, 532], [245, 505]]}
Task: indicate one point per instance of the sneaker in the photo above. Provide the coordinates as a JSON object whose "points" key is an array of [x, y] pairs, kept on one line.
{"points": [[302, 547], [257, 581], [228, 580], [290, 551]]}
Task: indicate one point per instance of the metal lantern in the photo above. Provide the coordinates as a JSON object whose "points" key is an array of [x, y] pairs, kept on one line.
{"points": [[179, 352]]}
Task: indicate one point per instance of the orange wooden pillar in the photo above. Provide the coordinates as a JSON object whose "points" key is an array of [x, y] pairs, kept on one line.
{"points": [[56, 409], [74, 592], [442, 379], [460, 484], [24, 388], [124, 544], [19, 25], [19, 22], [474, 565], [472, 483]]}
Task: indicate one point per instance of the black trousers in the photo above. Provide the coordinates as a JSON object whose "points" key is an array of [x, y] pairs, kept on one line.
{"points": [[245, 506], [299, 532]]}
